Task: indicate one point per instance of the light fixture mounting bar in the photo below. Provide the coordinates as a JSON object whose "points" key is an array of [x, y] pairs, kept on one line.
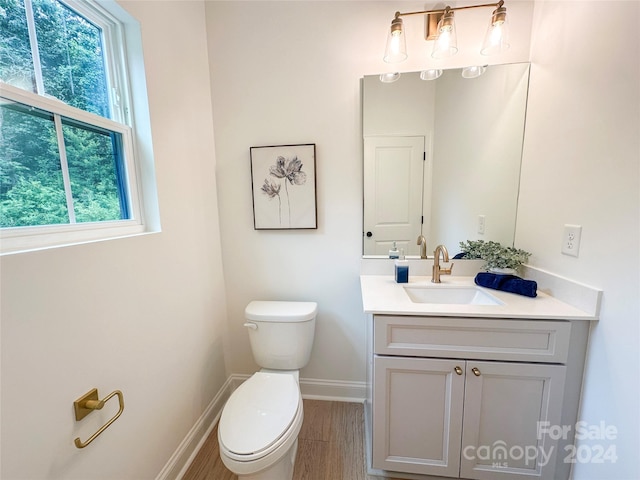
{"points": [[434, 16]]}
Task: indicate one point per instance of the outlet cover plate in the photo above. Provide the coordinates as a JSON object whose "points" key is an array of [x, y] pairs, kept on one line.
{"points": [[571, 240], [481, 224]]}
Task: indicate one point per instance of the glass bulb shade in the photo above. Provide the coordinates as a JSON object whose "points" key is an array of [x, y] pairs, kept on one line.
{"points": [[396, 50], [430, 74], [473, 71], [446, 44], [389, 77], [496, 40]]}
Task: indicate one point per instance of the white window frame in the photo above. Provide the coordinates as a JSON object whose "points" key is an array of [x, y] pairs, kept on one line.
{"points": [[140, 176], [114, 55]]}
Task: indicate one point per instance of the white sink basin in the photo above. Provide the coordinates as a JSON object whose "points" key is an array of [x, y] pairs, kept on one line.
{"points": [[450, 295]]}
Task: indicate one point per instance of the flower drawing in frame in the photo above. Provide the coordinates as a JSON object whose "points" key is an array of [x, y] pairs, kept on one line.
{"points": [[284, 187]]}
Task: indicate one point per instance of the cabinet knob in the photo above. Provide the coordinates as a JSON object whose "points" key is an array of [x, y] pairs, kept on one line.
{"points": [[458, 370], [475, 371]]}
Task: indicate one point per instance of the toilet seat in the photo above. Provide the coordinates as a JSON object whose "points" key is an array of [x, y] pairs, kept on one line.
{"points": [[259, 416]]}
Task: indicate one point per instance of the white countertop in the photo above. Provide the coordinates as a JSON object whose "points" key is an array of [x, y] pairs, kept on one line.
{"points": [[382, 295]]}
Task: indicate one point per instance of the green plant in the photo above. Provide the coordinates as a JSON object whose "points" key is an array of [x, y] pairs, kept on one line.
{"points": [[495, 254]]}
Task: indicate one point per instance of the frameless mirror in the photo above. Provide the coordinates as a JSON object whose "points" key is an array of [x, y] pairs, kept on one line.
{"points": [[442, 158]]}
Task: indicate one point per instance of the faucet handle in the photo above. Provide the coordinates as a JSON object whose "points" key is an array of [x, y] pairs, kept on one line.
{"points": [[446, 271]]}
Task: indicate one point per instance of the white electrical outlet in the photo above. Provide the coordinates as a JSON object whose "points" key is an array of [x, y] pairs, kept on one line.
{"points": [[571, 240], [481, 224]]}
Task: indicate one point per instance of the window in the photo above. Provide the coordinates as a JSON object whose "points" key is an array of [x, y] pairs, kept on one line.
{"points": [[59, 170], [67, 167]]}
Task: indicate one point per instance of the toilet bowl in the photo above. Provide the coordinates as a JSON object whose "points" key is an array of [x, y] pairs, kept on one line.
{"points": [[258, 430], [259, 425]]}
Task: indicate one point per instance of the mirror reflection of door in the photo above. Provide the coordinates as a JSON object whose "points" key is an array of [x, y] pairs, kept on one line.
{"points": [[393, 176]]}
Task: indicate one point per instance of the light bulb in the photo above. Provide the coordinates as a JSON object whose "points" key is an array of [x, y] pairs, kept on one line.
{"points": [[446, 43], [396, 50], [496, 38]]}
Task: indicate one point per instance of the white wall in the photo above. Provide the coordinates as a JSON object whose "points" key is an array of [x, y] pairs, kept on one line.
{"points": [[145, 315], [286, 73], [581, 166], [279, 78]]}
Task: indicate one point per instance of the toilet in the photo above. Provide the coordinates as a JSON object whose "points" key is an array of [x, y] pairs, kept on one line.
{"points": [[259, 425]]}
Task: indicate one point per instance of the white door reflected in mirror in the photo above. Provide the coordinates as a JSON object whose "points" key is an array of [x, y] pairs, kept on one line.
{"points": [[393, 175]]}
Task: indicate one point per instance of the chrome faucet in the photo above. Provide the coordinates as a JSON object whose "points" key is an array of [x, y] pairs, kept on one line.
{"points": [[437, 271], [423, 246]]}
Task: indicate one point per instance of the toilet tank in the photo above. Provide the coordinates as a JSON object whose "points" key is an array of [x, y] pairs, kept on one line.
{"points": [[281, 333]]}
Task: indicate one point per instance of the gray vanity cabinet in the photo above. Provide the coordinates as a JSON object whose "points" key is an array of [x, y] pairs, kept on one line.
{"points": [[463, 397]]}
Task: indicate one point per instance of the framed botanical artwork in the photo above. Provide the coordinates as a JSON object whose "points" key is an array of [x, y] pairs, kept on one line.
{"points": [[283, 179]]}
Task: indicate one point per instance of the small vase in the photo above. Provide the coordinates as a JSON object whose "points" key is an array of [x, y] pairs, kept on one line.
{"points": [[503, 271]]}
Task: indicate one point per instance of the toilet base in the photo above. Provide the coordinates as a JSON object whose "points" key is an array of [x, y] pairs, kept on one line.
{"points": [[281, 470]]}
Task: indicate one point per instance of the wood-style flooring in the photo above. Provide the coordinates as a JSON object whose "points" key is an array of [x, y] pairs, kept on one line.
{"points": [[330, 446]]}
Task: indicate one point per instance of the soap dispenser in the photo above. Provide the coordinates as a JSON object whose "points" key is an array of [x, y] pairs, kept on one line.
{"points": [[402, 268], [393, 253]]}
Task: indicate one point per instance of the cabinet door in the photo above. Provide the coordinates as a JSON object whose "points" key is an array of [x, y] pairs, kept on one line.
{"points": [[503, 405], [417, 415]]}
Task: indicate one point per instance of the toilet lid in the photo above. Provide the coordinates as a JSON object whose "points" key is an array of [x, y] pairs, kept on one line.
{"points": [[274, 311], [259, 412]]}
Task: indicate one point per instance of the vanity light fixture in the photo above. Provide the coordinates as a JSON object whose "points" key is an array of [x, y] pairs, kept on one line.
{"points": [[396, 50], [446, 43], [496, 39], [473, 71], [441, 28], [389, 77], [430, 74]]}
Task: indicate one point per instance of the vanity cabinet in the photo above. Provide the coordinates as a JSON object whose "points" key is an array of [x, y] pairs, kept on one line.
{"points": [[463, 397]]}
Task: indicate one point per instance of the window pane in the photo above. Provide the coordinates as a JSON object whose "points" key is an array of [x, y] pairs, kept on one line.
{"points": [[71, 55], [16, 64], [31, 186], [95, 171]]}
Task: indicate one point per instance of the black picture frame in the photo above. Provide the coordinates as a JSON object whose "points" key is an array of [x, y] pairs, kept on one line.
{"points": [[283, 179]]}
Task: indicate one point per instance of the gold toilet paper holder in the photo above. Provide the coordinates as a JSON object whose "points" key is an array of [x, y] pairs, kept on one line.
{"points": [[89, 402]]}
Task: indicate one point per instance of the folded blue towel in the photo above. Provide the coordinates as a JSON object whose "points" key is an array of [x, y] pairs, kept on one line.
{"points": [[507, 283]]}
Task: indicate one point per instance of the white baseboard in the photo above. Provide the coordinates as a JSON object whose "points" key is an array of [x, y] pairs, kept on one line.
{"points": [[311, 388], [177, 465], [335, 390], [317, 389]]}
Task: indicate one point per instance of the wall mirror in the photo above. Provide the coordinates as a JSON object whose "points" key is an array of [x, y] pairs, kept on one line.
{"points": [[442, 158]]}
